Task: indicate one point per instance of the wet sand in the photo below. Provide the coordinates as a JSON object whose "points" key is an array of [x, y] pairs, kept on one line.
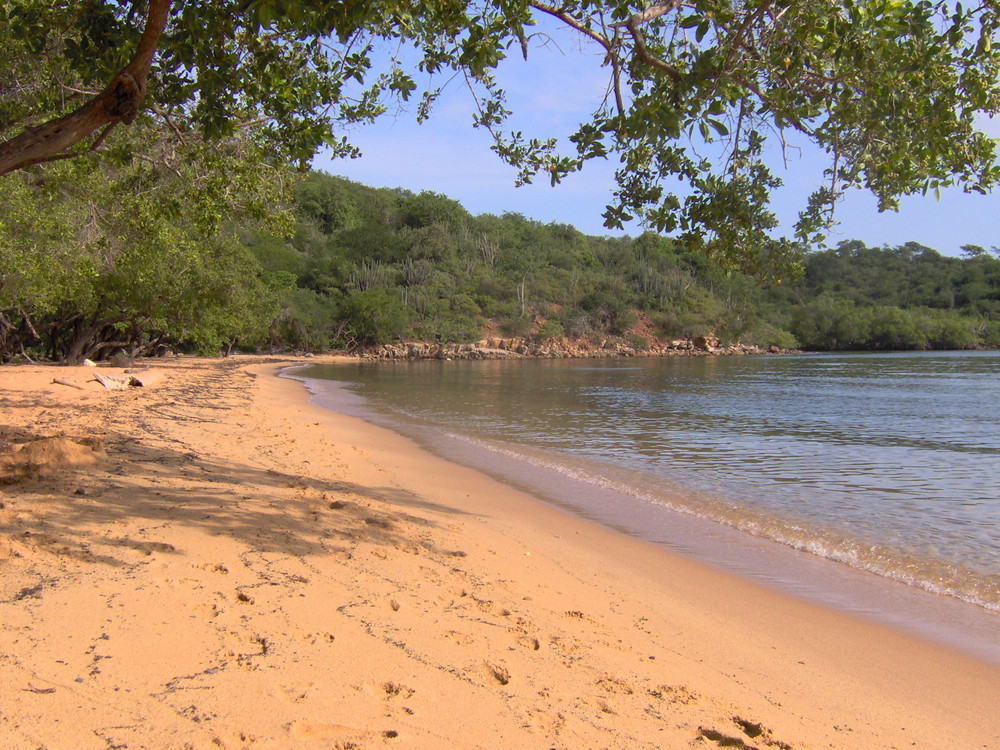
{"points": [[212, 561]]}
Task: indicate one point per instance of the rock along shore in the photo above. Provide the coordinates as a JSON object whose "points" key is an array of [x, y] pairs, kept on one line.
{"points": [[520, 348]]}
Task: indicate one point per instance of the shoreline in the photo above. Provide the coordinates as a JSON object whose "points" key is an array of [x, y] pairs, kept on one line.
{"points": [[295, 577], [796, 564]]}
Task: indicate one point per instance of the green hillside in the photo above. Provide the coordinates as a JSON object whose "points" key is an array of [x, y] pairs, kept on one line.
{"points": [[374, 265], [345, 266]]}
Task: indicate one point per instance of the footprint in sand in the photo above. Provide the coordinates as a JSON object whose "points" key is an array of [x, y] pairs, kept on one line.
{"points": [[750, 729], [296, 693], [568, 647], [677, 694], [614, 685], [498, 672], [205, 609], [528, 642], [212, 568], [462, 639], [723, 740], [491, 608], [314, 731], [148, 548], [313, 638], [394, 689]]}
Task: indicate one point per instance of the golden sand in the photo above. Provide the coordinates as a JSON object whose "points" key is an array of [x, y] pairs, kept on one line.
{"points": [[212, 562]]}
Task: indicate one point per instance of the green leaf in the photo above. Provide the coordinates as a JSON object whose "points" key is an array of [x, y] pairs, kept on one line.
{"points": [[719, 127]]}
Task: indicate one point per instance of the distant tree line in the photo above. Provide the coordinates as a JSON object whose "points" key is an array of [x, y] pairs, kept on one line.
{"points": [[905, 297], [174, 257], [375, 265]]}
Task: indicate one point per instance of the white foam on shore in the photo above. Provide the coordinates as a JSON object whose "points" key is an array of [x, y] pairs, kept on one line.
{"points": [[935, 576]]}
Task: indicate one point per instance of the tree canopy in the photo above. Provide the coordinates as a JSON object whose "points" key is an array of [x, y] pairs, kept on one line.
{"points": [[697, 91]]}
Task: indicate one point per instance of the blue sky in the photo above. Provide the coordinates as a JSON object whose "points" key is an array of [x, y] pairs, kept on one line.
{"points": [[555, 90]]}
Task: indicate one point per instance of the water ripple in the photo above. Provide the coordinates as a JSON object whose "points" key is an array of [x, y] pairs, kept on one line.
{"points": [[890, 463]]}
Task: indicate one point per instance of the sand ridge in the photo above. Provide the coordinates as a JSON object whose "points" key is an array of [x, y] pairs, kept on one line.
{"points": [[239, 568]]}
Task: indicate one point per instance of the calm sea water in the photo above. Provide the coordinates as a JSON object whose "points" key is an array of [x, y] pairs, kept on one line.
{"points": [[886, 463]]}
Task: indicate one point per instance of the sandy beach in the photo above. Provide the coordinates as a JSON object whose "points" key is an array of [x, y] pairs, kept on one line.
{"points": [[210, 561]]}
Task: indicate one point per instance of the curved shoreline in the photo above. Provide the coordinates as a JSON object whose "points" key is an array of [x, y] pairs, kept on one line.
{"points": [[248, 568], [677, 525]]}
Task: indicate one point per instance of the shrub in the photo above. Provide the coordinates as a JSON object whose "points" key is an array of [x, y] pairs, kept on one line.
{"points": [[765, 335], [375, 316], [637, 342], [948, 330], [576, 324], [989, 334], [893, 328], [519, 325], [550, 329], [450, 328]]}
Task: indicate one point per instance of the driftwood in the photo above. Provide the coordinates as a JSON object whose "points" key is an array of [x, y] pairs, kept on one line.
{"points": [[60, 381], [145, 378], [141, 380], [111, 382]]}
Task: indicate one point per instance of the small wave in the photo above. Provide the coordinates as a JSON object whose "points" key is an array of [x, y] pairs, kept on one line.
{"points": [[935, 576]]}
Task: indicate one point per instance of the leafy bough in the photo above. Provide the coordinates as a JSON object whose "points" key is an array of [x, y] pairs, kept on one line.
{"points": [[700, 94]]}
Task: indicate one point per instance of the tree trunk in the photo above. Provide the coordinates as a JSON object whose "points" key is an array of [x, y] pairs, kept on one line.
{"points": [[82, 342], [119, 102]]}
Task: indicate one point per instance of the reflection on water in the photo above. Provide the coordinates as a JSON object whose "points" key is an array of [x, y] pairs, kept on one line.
{"points": [[890, 463]]}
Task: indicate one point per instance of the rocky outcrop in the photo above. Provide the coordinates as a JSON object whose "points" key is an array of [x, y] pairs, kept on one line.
{"points": [[517, 348], [707, 343]]}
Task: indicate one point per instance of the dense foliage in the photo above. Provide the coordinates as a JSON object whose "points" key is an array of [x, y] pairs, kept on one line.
{"points": [[699, 93], [906, 297], [129, 256], [172, 233]]}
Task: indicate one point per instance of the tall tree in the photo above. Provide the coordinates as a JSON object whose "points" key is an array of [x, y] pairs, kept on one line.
{"points": [[889, 89]]}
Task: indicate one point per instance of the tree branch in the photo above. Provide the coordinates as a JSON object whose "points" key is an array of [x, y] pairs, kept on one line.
{"points": [[657, 9], [575, 23], [764, 99], [119, 102], [644, 55], [632, 25]]}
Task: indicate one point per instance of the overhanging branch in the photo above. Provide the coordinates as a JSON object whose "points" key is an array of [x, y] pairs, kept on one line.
{"points": [[575, 23], [118, 103], [632, 25], [639, 40]]}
